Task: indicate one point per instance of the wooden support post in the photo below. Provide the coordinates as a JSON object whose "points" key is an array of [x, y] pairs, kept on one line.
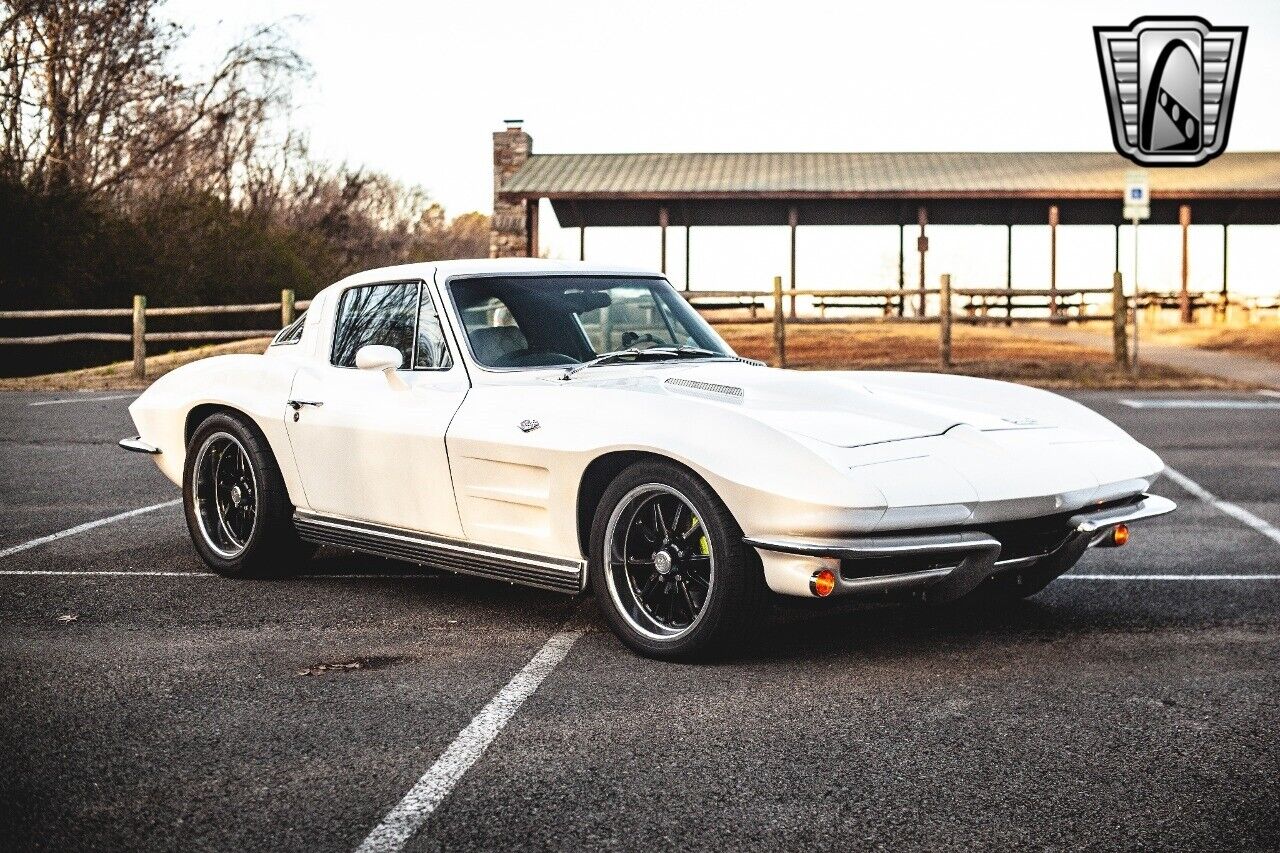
{"points": [[688, 245], [922, 246], [288, 308], [582, 242], [1119, 321], [663, 220], [944, 321], [531, 228], [793, 219], [902, 264], [1184, 296], [779, 325], [1008, 274], [1224, 302], [1053, 260], [140, 337]]}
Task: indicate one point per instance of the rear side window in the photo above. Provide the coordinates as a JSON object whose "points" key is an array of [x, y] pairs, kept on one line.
{"points": [[432, 352], [291, 333], [382, 314]]}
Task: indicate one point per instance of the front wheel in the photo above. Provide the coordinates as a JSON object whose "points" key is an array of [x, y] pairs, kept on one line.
{"points": [[237, 507], [668, 565]]}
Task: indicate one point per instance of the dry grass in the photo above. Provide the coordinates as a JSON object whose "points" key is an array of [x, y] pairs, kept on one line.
{"points": [[119, 376], [992, 353], [1261, 340]]}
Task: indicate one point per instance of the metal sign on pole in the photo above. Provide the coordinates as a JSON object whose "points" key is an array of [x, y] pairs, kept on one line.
{"points": [[1137, 207]]}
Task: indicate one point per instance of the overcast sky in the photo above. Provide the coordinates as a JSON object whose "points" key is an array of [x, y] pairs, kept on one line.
{"points": [[416, 88]]}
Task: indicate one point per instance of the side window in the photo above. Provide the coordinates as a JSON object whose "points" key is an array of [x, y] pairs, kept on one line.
{"points": [[432, 353], [378, 314], [291, 333]]}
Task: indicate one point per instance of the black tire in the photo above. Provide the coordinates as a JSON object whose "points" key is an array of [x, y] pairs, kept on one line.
{"points": [[736, 592], [268, 546]]}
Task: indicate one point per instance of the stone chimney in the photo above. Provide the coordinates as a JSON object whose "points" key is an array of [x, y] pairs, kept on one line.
{"points": [[513, 231]]}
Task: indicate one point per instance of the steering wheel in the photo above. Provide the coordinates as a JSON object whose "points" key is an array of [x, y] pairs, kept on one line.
{"points": [[630, 339], [530, 357]]}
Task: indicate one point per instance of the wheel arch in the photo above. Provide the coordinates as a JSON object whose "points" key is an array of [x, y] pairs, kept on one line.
{"points": [[602, 471], [201, 412]]}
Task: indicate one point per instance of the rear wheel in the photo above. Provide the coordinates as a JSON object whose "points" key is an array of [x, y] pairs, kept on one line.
{"points": [[668, 565], [237, 507]]}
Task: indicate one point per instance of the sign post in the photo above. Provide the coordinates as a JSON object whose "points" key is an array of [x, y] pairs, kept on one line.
{"points": [[1137, 207]]}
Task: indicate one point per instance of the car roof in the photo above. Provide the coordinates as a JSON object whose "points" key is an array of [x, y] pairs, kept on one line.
{"points": [[491, 266]]}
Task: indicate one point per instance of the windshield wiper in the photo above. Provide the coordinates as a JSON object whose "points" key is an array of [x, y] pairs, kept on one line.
{"points": [[635, 352]]}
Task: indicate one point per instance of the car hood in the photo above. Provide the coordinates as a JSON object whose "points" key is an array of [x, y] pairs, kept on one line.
{"points": [[851, 409]]}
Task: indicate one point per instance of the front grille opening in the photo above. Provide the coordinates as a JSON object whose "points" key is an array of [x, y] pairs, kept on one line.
{"points": [[874, 567]]}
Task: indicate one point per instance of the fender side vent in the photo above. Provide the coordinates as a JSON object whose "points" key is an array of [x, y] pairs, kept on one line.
{"points": [[708, 387]]}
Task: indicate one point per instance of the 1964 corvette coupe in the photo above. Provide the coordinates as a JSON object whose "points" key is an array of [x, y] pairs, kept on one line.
{"points": [[570, 426]]}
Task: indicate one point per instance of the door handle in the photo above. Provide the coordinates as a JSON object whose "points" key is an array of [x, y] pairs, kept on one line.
{"points": [[297, 405]]}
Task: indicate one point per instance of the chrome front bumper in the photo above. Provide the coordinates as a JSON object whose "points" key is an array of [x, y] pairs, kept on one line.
{"points": [[137, 445], [956, 561]]}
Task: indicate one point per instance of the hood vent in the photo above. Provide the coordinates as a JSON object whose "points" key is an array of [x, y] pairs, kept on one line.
{"points": [[708, 387]]}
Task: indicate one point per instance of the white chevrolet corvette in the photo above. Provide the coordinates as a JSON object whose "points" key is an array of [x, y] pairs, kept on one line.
{"points": [[564, 426]]}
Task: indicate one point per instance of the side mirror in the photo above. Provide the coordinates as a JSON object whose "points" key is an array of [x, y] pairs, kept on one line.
{"points": [[378, 357]]}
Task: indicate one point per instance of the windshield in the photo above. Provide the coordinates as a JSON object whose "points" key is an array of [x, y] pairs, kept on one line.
{"points": [[557, 321]]}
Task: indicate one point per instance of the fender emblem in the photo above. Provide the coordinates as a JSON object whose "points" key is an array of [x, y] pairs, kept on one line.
{"points": [[529, 425], [1021, 421]]}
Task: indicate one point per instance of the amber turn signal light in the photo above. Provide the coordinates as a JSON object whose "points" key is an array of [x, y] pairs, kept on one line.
{"points": [[1120, 535], [823, 583]]}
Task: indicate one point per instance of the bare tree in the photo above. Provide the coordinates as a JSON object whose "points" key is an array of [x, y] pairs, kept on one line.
{"points": [[89, 103]]}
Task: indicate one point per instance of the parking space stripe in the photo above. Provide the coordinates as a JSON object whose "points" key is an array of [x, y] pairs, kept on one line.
{"points": [[408, 816], [102, 574], [1239, 513], [80, 400], [356, 576], [66, 573], [1200, 404], [1074, 577], [81, 528]]}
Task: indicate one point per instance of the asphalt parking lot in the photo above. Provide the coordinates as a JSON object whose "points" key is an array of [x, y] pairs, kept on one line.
{"points": [[1133, 704]]}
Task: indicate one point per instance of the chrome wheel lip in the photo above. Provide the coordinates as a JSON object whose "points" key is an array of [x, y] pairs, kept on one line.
{"points": [[203, 491], [620, 592]]}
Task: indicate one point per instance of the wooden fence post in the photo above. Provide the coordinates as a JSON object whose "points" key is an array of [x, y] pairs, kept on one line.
{"points": [[140, 337], [1119, 321], [944, 321], [779, 327], [287, 312]]}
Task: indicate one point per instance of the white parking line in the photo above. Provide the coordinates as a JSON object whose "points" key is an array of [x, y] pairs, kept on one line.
{"points": [[408, 816], [149, 574], [80, 400], [103, 574], [1073, 577], [88, 525], [1226, 507], [351, 576], [1200, 404]]}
